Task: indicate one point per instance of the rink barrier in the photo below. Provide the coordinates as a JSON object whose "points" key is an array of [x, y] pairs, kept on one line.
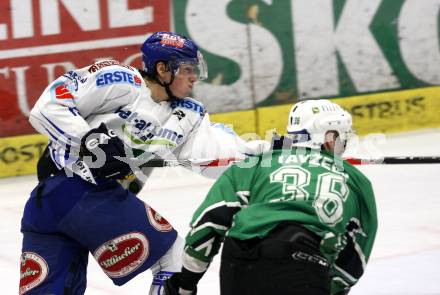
{"points": [[19, 154], [388, 112]]}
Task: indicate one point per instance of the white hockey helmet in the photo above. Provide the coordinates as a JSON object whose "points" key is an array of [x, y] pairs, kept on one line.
{"points": [[309, 121]]}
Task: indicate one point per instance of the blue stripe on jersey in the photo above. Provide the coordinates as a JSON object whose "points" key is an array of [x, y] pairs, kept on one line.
{"points": [[53, 124], [62, 133], [74, 111], [54, 137], [51, 151], [55, 158], [160, 277], [51, 135], [67, 152]]}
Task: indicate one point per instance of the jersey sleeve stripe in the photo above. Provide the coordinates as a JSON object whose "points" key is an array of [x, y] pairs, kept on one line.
{"points": [[64, 134], [209, 224], [217, 210]]}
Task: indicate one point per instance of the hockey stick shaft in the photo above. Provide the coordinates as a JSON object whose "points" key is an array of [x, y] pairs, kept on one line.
{"points": [[396, 160], [190, 162], [353, 161]]}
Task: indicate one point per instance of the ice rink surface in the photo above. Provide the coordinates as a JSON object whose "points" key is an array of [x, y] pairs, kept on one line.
{"points": [[405, 258]]}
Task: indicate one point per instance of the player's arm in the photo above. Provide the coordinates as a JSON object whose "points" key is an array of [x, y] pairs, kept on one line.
{"points": [[60, 114], [209, 224], [211, 221], [166, 141], [61, 110], [56, 115], [216, 141], [360, 236]]}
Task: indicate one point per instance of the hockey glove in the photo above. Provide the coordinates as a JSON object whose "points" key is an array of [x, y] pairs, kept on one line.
{"points": [[181, 283], [45, 166], [281, 142], [99, 147]]}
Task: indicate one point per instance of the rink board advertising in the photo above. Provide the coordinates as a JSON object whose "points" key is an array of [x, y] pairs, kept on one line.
{"points": [[379, 59], [41, 40]]}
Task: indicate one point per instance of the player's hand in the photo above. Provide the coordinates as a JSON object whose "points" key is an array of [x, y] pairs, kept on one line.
{"points": [[173, 286], [280, 142], [99, 149]]}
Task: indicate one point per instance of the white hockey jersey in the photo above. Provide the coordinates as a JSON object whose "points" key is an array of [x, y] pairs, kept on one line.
{"points": [[117, 95]]}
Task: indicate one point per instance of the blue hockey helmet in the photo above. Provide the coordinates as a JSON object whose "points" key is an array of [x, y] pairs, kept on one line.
{"points": [[174, 50]]}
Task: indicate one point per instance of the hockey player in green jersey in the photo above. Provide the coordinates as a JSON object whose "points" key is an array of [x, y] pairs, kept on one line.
{"points": [[298, 220]]}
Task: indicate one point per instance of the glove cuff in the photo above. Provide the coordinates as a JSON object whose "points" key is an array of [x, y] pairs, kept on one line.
{"points": [[185, 292], [189, 279], [280, 142]]}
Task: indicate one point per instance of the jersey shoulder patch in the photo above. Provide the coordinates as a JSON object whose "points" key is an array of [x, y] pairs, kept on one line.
{"points": [[107, 63], [189, 103], [118, 76], [110, 72]]}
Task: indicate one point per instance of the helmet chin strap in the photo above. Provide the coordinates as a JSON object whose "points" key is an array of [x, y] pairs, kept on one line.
{"points": [[169, 92], [167, 86]]}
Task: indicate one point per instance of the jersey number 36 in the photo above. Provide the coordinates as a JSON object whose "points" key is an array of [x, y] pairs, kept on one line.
{"points": [[329, 196]]}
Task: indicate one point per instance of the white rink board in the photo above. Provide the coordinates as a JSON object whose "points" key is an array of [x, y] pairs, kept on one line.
{"points": [[405, 258]]}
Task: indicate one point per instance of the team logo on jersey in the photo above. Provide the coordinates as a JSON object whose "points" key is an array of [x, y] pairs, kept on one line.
{"points": [[188, 104], [146, 131], [62, 92], [157, 221], [33, 271], [118, 77], [75, 78], [123, 255], [179, 114]]}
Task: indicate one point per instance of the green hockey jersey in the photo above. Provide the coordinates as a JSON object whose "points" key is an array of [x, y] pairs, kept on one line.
{"points": [[316, 189]]}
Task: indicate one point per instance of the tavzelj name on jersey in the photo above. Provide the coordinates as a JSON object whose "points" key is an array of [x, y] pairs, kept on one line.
{"points": [[117, 77]]}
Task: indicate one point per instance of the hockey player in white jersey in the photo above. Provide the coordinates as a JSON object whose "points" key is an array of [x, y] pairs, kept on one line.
{"points": [[104, 122]]}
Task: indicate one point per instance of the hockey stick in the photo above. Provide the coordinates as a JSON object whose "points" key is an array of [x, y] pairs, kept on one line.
{"points": [[190, 162], [396, 160], [226, 162]]}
